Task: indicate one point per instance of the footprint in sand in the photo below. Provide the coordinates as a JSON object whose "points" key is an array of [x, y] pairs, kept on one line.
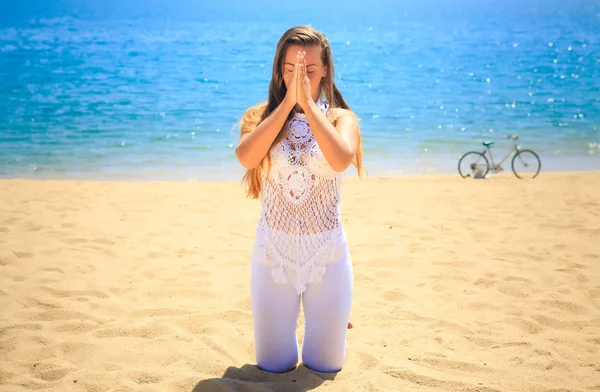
{"points": [[553, 323], [112, 367], [159, 312], [196, 325], [431, 382], [32, 302], [156, 255], [366, 361], [594, 293], [511, 278], [77, 327], [514, 290], [78, 350], [541, 353], [451, 365], [565, 306], [48, 372], [581, 278], [54, 269], [442, 325], [26, 327], [104, 241], [480, 305], [24, 255], [512, 344], [482, 342], [576, 271], [594, 341], [62, 315], [75, 293], [74, 240], [393, 295], [235, 316], [487, 283], [8, 345], [362, 277], [213, 345], [525, 325], [128, 332]]}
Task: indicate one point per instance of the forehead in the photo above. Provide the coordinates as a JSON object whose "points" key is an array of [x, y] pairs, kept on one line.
{"points": [[313, 54]]}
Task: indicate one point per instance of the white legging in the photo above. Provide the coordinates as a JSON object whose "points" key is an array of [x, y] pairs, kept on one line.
{"points": [[275, 310]]}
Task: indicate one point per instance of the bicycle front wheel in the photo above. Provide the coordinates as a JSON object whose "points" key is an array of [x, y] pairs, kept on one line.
{"points": [[526, 164], [473, 164]]}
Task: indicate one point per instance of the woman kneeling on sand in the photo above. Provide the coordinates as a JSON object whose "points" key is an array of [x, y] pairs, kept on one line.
{"points": [[295, 148]]}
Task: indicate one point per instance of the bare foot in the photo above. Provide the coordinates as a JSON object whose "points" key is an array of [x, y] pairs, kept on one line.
{"points": [[350, 326]]}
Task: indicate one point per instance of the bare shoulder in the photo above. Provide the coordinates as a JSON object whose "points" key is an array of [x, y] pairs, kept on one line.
{"points": [[252, 117], [255, 110]]}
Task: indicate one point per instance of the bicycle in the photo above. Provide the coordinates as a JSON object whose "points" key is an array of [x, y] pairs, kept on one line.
{"points": [[478, 166]]}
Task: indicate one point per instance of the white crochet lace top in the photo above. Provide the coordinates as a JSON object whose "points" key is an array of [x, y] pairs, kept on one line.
{"points": [[300, 222]]}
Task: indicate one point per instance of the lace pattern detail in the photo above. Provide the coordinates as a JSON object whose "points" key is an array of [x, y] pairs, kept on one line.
{"points": [[300, 222]]}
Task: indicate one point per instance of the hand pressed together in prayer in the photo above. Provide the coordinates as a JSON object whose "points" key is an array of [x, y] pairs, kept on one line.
{"points": [[299, 88]]}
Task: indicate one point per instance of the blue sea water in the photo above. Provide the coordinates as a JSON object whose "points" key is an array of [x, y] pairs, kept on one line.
{"points": [[150, 90]]}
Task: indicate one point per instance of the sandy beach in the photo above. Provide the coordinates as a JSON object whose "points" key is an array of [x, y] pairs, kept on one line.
{"points": [[460, 285]]}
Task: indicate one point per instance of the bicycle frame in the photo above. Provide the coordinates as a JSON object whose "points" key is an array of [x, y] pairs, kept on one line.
{"points": [[515, 149]]}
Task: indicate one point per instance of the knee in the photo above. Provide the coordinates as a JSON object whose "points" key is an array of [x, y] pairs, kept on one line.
{"points": [[276, 363], [330, 361], [275, 356], [322, 366]]}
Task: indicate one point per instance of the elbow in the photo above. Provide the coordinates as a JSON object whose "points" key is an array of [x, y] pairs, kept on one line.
{"points": [[243, 159], [340, 168], [343, 163]]}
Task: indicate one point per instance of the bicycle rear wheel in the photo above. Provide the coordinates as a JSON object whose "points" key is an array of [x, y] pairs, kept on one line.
{"points": [[526, 164], [473, 164]]}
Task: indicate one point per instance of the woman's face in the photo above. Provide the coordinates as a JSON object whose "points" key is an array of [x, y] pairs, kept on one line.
{"points": [[315, 70]]}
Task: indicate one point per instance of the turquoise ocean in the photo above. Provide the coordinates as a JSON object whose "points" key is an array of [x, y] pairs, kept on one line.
{"points": [[154, 90]]}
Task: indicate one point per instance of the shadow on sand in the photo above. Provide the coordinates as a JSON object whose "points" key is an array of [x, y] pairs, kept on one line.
{"points": [[251, 378]]}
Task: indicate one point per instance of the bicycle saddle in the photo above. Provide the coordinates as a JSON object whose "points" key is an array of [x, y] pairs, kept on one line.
{"points": [[487, 144]]}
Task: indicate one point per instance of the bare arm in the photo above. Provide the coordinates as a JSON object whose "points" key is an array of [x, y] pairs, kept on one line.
{"points": [[255, 143], [338, 143]]}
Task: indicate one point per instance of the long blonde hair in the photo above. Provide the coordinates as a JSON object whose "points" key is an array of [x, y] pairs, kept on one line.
{"points": [[305, 36]]}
